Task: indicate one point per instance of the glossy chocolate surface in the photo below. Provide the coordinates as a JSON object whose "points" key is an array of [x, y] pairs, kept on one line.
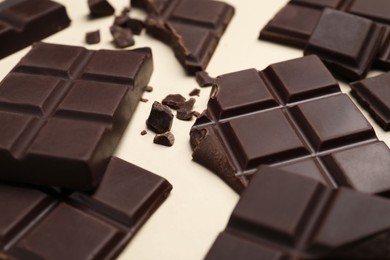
{"points": [[374, 95], [44, 223], [291, 115], [282, 215], [63, 110], [23, 22], [192, 28]]}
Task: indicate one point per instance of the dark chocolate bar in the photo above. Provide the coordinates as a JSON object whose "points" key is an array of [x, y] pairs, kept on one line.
{"points": [[295, 22], [46, 223], [23, 22], [192, 28], [293, 115], [374, 95], [285, 216], [63, 110]]}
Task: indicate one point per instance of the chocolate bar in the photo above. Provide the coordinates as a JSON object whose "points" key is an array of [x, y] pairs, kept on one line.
{"points": [[23, 22], [294, 23], [285, 216], [63, 110], [192, 28], [48, 223], [293, 115], [374, 95]]}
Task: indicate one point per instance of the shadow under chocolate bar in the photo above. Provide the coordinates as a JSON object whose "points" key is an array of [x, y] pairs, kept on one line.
{"points": [[192, 28], [285, 216], [293, 116], [48, 223], [63, 110], [294, 23], [23, 22]]}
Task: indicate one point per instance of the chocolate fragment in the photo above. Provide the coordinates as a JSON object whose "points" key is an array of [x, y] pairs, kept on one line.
{"points": [[195, 92], [24, 22], [100, 8], [286, 216], [204, 80], [374, 95], [282, 116], [122, 37], [185, 112], [192, 28], [174, 101], [92, 37], [48, 223], [144, 100], [123, 20], [348, 44], [144, 132], [63, 110], [160, 118], [167, 139], [148, 88]]}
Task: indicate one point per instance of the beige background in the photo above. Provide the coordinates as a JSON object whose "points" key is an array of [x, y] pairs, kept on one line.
{"points": [[185, 226]]}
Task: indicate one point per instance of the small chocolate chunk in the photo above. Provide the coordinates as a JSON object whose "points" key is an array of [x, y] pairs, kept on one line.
{"points": [[167, 139], [195, 92], [148, 88], [185, 112], [100, 8], [160, 118], [144, 100], [203, 79], [144, 132], [122, 37], [92, 37], [174, 101]]}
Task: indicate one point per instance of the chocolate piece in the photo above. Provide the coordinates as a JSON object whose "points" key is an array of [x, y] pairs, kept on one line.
{"points": [[295, 22], [192, 28], [348, 44], [100, 8], [203, 79], [174, 101], [160, 118], [195, 92], [185, 112], [92, 37], [122, 37], [288, 113], [144, 132], [167, 139], [124, 21], [374, 95], [285, 216], [23, 22], [53, 224], [63, 110], [148, 88]]}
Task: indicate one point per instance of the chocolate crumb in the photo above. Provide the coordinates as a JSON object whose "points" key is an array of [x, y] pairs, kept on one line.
{"points": [[204, 80], [174, 101], [167, 139], [185, 113], [144, 100], [122, 37], [195, 92], [148, 88], [100, 8], [160, 118], [92, 37], [144, 132]]}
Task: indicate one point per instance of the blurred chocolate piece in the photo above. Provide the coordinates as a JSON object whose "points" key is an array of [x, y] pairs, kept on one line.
{"points": [[144, 132], [148, 88], [63, 110], [174, 101], [285, 216], [283, 116], [100, 8], [194, 92], [47, 223], [160, 118], [124, 21], [185, 112], [192, 28], [23, 22], [203, 79], [92, 37], [122, 37], [348, 44], [374, 95], [166, 139]]}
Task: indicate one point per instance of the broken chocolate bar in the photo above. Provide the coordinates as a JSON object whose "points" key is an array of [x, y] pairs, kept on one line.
{"points": [[286, 115], [285, 216], [63, 110], [47, 223], [192, 28]]}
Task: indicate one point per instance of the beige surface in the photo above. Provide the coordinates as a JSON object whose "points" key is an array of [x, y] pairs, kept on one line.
{"points": [[185, 226]]}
